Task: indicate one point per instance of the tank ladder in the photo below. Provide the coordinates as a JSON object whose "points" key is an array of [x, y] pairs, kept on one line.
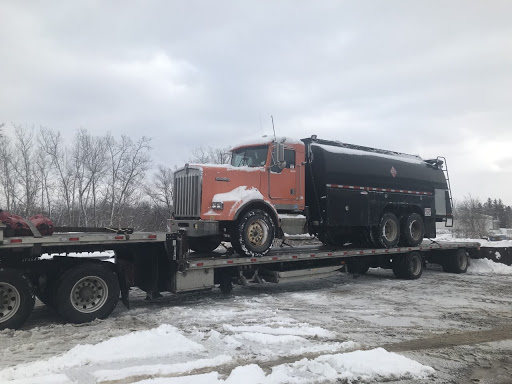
{"points": [[447, 177]]}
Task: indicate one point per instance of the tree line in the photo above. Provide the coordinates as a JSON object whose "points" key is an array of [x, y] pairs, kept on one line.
{"points": [[108, 181]]}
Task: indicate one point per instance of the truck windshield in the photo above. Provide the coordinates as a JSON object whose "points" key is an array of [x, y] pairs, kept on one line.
{"points": [[250, 156]]}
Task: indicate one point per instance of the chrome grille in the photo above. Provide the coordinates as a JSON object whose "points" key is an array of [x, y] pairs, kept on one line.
{"points": [[187, 193]]}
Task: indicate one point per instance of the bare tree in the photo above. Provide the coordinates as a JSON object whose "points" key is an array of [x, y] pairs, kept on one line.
{"points": [[128, 163], [26, 173], [210, 155], [161, 190], [470, 220], [7, 178], [51, 143]]}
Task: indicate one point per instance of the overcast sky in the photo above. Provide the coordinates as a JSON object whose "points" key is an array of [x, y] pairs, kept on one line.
{"points": [[423, 77]]}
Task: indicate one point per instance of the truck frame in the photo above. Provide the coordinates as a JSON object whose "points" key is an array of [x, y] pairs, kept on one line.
{"points": [[82, 289]]}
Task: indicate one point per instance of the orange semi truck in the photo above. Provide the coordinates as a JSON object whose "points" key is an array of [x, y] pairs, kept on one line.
{"points": [[342, 193]]}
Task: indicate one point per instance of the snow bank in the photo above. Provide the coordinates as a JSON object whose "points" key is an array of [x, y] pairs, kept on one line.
{"points": [[488, 267], [303, 331], [159, 369], [164, 341], [376, 364], [359, 366]]}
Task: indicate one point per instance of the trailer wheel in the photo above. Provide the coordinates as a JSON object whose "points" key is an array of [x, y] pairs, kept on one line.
{"points": [[253, 234], [87, 292], [408, 266], [413, 230], [16, 299], [204, 244], [388, 231], [457, 262]]}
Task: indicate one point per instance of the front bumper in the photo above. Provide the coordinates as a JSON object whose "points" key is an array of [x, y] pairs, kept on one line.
{"points": [[195, 228]]}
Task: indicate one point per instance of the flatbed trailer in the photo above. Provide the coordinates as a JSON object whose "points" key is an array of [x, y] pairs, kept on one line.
{"points": [[84, 288]]}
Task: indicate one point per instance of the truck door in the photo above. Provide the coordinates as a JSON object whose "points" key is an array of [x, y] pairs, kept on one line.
{"points": [[283, 182]]}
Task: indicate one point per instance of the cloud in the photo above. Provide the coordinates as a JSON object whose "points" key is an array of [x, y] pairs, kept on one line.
{"points": [[429, 77]]}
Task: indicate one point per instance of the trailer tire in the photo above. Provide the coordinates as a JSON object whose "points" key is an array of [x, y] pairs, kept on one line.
{"points": [[457, 262], [413, 230], [253, 233], [408, 266], [387, 233], [87, 292], [16, 299], [204, 244]]}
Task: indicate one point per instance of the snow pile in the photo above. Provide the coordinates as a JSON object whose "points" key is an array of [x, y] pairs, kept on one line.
{"points": [[359, 366], [160, 369], [488, 267], [164, 341], [297, 331]]}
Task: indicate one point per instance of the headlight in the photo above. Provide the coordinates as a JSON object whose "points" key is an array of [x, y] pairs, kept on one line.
{"points": [[217, 205]]}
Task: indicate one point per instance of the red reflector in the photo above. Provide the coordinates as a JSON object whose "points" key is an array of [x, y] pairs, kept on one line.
{"points": [[200, 264], [254, 259], [386, 250], [345, 253], [329, 254], [398, 249], [152, 237], [74, 239], [16, 240], [274, 258], [295, 257], [361, 252], [373, 251], [410, 249], [119, 237], [230, 261], [312, 255]]}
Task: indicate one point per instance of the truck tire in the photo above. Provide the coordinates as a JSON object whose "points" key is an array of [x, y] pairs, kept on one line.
{"points": [[408, 266], [253, 233], [456, 262], [204, 244], [413, 230], [16, 299], [87, 292], [387, 233]]}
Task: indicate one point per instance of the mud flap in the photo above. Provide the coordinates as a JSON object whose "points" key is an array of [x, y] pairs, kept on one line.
{"points": [[123, 286]]}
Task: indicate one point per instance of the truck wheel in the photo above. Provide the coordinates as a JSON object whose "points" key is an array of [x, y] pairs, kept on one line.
{"points": [[408, 266], [204, 244], [413, 230], [456, 262], [87, 292], [388, 231], [16, 299], [254, 233]]}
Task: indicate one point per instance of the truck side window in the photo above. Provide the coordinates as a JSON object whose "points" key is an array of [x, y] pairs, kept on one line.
{"points": [[289, 157]]}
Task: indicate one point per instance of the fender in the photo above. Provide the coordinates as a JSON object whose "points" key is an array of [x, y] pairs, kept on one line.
{"points": [[258, 201]]}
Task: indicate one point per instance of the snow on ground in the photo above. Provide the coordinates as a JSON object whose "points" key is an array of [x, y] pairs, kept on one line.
{"points": [[442, 328], [486, 266]]}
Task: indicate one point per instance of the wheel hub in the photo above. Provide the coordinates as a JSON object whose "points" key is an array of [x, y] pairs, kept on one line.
{"points": [[257, 233], [89, 294], [390, 231], [9, 301]]}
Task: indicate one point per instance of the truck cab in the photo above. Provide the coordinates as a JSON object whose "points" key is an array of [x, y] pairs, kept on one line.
{"points": [[242, 201]]}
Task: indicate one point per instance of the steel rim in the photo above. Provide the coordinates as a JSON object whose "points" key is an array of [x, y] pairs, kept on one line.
{"points": [[89, 294], [257, 233], [415, 265], [415, 230], [390, 231], [10, 301]]}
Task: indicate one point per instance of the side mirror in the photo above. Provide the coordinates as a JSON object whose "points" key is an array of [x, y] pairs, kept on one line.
{"points": [[278, 155]]}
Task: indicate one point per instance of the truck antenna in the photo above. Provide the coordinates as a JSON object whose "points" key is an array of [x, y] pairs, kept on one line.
{"points": [[273, 128]]}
